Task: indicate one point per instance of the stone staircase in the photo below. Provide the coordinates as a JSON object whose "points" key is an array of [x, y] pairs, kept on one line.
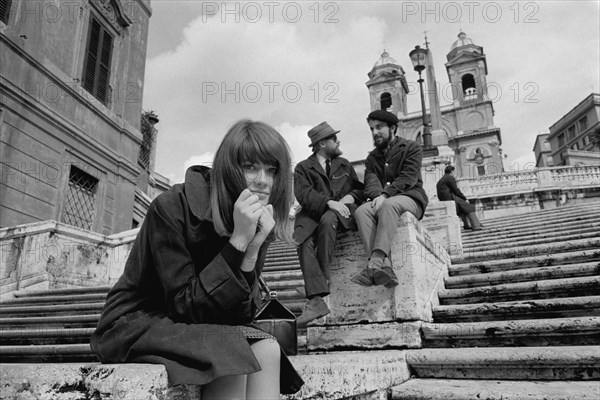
{"points": [[55, 325], [519, 317]]}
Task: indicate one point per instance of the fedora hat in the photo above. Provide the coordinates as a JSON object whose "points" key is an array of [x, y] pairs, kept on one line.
{"points": [[320, 132]]}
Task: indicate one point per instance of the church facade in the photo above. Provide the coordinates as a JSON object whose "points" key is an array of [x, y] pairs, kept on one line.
{"points": [[466, 126]]}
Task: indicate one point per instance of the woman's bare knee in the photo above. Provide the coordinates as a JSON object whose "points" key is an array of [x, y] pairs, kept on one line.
{"points": [[267, 352]]}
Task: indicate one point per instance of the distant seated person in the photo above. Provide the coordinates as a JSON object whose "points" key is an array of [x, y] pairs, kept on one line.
{"points": [[447, 189]]}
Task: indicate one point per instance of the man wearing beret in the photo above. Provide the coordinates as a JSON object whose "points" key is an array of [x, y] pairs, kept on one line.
{"points": [[328, 190], [393, 184]]}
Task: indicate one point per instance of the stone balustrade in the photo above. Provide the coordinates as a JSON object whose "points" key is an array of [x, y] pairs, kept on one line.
{"points": [[530, 180], [50, 254]]}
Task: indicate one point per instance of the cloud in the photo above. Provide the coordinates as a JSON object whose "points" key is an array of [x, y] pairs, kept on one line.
{"points": [[296, 75]]}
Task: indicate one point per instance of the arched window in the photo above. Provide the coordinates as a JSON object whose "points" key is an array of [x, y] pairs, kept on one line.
{"points": [[419, 139], [385, 100], [468, 86]]}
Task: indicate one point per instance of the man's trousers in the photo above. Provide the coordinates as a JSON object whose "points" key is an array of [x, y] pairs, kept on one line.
{"points": [[378, 229], [315, 256]]}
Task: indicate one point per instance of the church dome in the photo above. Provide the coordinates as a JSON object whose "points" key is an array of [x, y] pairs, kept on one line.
{"points": [[463, 40], [385, 59]]}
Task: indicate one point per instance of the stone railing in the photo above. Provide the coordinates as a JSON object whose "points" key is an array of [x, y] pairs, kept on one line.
{"points": [[530, 180], [50, 254]]}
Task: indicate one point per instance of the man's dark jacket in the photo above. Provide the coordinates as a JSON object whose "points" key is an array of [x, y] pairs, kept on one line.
{"points": [[396, 173], [313, 189], [447, 189]]}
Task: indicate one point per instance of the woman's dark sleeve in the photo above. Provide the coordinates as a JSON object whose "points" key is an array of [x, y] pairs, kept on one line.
{"points": [[220, 292]]}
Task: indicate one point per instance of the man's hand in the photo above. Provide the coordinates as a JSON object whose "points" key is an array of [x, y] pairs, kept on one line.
{"points": [[347, 199], [339, 207], [378, 201]]}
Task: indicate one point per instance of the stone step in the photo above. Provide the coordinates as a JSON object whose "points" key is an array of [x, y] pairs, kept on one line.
{"points": [[469, 389], [62, 292], [527, 250], [539, 289], [282, 267], [48, 299], [527, 221], [516, 310], [282, 261], [44, 335], [513, 363], [564, 212], [523, 275], [488, 235], [286, 286], [54, 309], [536, 332], [63, 321], [523, 262], [78, 352], [282, 275], [536, 238]]}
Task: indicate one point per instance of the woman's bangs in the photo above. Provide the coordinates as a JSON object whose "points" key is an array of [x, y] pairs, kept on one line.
{"points": [[259, 147]]}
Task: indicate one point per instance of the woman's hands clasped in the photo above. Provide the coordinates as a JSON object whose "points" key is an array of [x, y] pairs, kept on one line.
{"points": [[252, 222]]}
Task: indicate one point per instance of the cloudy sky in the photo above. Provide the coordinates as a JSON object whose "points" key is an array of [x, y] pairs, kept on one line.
{"points": [[296, 64]]}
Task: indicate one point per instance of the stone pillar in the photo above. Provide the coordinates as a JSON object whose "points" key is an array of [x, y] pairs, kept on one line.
{"points": [[376, 317], [443, 226]]}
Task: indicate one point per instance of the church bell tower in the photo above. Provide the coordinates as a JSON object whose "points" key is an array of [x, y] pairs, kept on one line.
{"points": [[387, 86]]}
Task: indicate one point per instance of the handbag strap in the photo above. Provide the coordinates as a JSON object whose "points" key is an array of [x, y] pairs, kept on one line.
{"points": [[265, 288]]}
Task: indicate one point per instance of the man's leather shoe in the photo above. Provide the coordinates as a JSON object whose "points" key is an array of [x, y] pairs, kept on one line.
{"points": [[385, 275], [315, 308], [365, 278]]}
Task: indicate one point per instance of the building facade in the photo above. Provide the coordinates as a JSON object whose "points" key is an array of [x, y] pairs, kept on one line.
{"points": [[468, 124], [71, 88], [542, 150], [572, 137]]}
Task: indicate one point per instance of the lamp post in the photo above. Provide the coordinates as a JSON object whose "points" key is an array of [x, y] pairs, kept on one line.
{"points": [[418, 57]]}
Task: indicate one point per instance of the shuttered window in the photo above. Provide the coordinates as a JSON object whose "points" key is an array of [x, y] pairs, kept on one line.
{"points": [[5, 10], [96, 68]]}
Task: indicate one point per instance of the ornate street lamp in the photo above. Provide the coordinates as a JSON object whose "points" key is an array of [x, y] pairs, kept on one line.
{"points": [[419, 58]]}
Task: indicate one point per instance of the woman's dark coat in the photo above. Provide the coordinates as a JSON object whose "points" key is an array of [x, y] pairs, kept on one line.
{"points": [[396, 173], [313, 189], [182, 293], [447, 189]]}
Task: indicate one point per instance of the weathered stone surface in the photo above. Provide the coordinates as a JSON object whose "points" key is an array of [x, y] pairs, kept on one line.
{"points": [[525, 363], [520, 275], [419, 263], [50, 254], [366, 375], [444, 226], [365, 336], [526, 309], [464, 389], [83, 381], [535, 332]]}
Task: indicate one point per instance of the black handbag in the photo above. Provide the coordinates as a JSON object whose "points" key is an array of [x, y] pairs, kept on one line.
{"points": [[277, 320]]}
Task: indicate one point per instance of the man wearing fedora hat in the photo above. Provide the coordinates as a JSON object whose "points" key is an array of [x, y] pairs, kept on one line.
{"points": [[328, 190], [393, 184]]}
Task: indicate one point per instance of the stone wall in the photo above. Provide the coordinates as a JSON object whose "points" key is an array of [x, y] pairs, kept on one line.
{"points": [[49, 255]]}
